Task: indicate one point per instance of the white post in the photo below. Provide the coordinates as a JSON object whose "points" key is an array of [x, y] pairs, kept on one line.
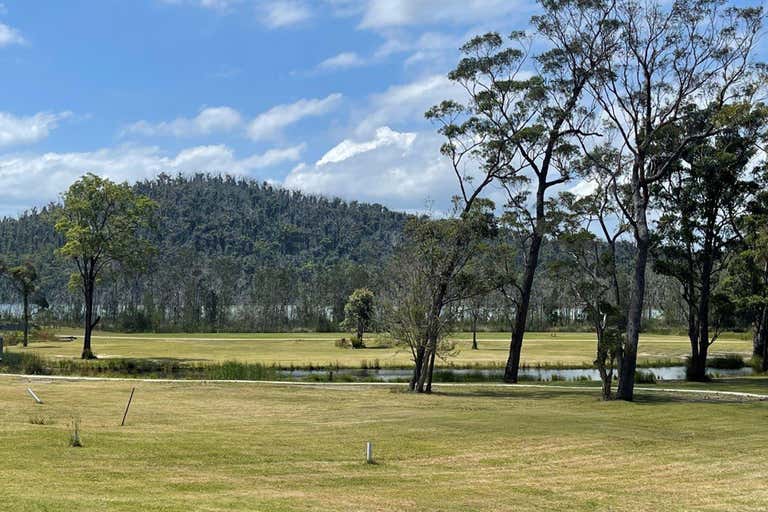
{"points": [[32, 393], [369, 452]]}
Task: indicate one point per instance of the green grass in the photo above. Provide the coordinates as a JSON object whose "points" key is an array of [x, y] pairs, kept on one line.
{"points": [[317, 349], [216, 447]]}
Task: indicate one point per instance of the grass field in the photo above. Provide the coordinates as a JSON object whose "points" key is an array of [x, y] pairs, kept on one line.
{"points": [[565, 349], [223, 447]]}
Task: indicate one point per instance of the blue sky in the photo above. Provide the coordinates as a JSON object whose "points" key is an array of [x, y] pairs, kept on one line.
{"points": [[326, 96]]}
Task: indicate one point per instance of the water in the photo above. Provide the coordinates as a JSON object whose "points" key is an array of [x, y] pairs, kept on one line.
{"points": [[538, 374]]}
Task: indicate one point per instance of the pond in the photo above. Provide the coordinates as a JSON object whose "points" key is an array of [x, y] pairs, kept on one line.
{"points": [[534, 374]]}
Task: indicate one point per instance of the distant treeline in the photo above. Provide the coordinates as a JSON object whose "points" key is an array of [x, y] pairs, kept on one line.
{"points": [[233, 254]]}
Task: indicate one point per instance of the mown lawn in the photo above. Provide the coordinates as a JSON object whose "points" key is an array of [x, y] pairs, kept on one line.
{"points": [[565, 349], [221, 447]]}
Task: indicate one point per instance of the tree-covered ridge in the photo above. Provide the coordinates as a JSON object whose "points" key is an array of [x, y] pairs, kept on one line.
{"points": [[230, 253]]}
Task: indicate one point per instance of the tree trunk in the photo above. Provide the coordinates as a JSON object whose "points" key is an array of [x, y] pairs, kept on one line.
{"points": [[474, 331], [760, 335], [698, 369], [89, 323], [760, 340], [628, 364], [26, 319], [521, 314], [418, 361], [431, 370]]}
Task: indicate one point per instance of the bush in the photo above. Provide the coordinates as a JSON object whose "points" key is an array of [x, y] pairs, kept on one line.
{"points": [[233, 370], [727, 362], [642, 377]]}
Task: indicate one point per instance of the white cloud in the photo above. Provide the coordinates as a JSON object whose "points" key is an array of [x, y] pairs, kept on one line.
{"points": [[379, 14], [343, 60], [400, 169], [9, 36], [347, 148], [27, 130], [28, 179], [209, 120], [270, 123], [407, 102], [283, 13]]}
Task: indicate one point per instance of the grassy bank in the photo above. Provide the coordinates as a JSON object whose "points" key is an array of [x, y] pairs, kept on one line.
{"points": [[191, 446], [318, 350]]}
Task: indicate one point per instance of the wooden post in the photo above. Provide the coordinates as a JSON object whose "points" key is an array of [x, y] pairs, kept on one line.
{"points": [[128, 405], [369, 453], [34, 396]]}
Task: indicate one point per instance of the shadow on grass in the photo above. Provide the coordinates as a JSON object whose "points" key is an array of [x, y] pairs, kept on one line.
{"points": [[554, 392]]}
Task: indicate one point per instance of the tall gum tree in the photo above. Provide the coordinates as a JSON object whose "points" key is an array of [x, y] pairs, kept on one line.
{"points": [[666, 58], [102, 224], [700, 204], [530, 109]]}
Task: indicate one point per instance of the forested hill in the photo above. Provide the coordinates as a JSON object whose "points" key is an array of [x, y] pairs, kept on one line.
{"points": [[225, 243]]}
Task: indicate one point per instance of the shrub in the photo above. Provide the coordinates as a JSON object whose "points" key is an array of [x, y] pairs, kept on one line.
{"points": [[727, 362], [642, 377], [234, 370]]}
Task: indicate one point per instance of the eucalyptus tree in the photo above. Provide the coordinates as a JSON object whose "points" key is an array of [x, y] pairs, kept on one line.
{"points": [[528, 108], [747, 276], [665, 58], [699, 203], [430, 277], [588, 235], [102, 224], [24, 278]]}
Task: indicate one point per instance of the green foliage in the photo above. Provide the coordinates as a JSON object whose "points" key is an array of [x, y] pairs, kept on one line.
{"points": [[358, 314], [28, 363], [235, 370], [102, 224], [727, 362], [231, 254]]}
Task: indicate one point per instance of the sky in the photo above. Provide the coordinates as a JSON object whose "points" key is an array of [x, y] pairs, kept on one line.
{"points": [[323, 96]]}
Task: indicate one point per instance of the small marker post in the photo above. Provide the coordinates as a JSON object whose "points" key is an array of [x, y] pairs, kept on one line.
{"points": [[127, 406], [369, 453], [34, 396]]}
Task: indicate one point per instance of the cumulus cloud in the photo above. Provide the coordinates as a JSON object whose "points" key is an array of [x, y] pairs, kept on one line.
{"points": [[209, 120], [9, 36], [29, 179], [270, 123], [400, 169], [27, 130], [343, 60]]}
